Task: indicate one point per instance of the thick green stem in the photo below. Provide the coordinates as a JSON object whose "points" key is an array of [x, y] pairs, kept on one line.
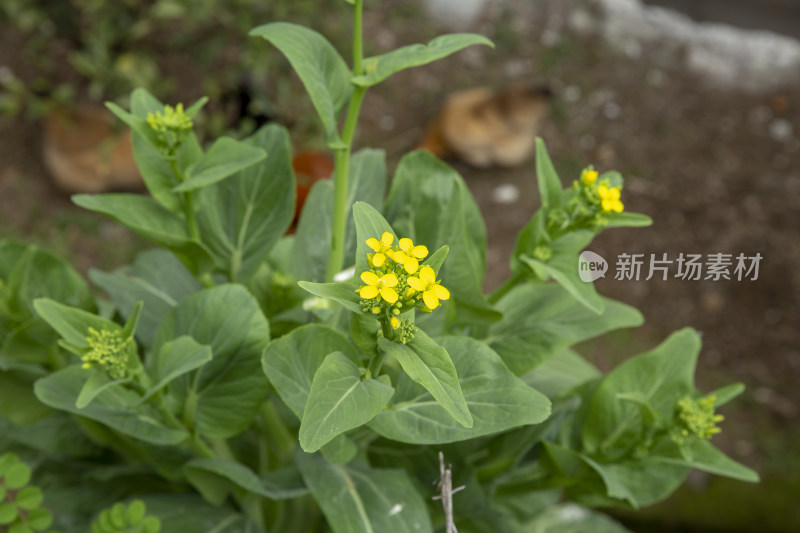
{"points": [[376, 363], [188, 202], [358, 50], [342, 157]]}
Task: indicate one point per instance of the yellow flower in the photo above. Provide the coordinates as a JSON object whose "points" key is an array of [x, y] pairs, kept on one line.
{"points": [[431, 291], [395, 322], [588, 176], [609, 198], [380, 247], [418, 252], [409, 264], [379, 285]]}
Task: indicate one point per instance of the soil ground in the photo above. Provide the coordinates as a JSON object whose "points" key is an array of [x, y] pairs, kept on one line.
{"points": [[718, 171]]}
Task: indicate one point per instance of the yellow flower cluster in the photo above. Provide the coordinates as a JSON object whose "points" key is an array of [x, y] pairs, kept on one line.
{"points": [[397, 269], [609, 198], [696, 418], [172, 126], [601, 193], [109, 350]]}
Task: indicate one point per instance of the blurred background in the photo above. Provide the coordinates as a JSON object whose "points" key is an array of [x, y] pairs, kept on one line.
{"points": [[696, 102]]}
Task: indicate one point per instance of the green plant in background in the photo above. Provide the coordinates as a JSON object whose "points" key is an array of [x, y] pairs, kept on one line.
{"points": [[79, 51], [20, 503], [131, 519], [240, 379]]}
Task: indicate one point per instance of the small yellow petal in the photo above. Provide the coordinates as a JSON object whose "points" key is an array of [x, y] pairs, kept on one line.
{"points": [[369, 292], [613, 193], [441, 292], [427, 275], [389, 294], [387, 239], [411, 265], [430, 300], [370, 278], [374, 244], [378, 260], [406, 244], [395, 322], [618, 207], [389, 280], [416, 284], [420, 252], [398, 257], [602, 190]]}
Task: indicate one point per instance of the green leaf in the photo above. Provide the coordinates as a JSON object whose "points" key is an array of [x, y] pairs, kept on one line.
{"points": [[701, 454], [340, 451], [320, 67], [291, 361], [30, 273], [71, 323], [369, 224], [549, 183], [378, 68], [174, 359], [216, 477], [660, 376], [242, 217], [8, 513], [29, 498], [429, 203], [436, 259], [40, 519], [156, 278], [225, 158], [366, 183], [627, 220], [429, 364], [640, 483], [193, 109], [344, 293], [150, 220], [55, 435], [137, 124], [572, 518], [563, 267], [136, 512], [16, 476], [358, 499], [340, 400], [157, 171], [540, 320], [727, 393], [117, 407], [17, 401], [96, 384], [224, 394], [497, 400], [364, 332], [566, 370], [188, 512], [312, 242]]}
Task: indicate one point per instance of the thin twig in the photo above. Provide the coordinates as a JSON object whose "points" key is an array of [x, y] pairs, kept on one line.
{"points": [[446, 492]]}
